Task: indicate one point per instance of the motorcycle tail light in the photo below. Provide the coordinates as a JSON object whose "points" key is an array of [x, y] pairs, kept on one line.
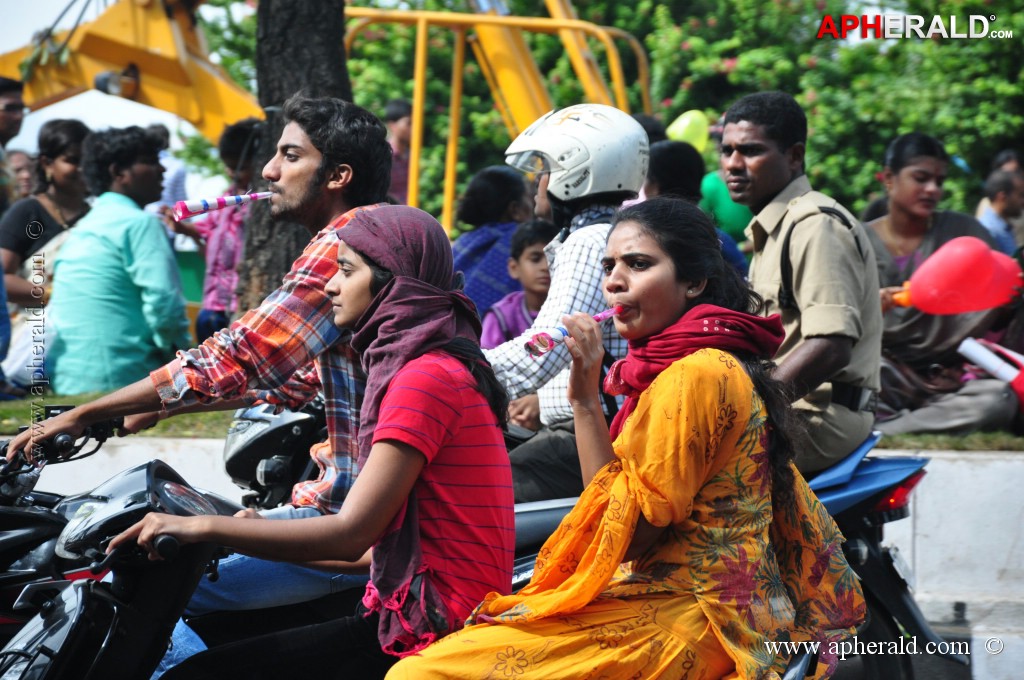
{"points": [[899, 496]]}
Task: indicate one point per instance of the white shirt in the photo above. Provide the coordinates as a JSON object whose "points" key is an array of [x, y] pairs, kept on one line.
{"points": [[576, 286]]}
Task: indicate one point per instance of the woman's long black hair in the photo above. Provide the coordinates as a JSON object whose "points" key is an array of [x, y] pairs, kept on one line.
{"points": [[688, 237], [466, 351]]}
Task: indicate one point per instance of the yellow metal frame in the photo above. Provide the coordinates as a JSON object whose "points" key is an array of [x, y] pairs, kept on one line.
{"points": [[515, 114], [175, 74]]}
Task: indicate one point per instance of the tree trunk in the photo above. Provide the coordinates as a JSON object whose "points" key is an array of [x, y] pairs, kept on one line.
{"points": [[300, 46]]}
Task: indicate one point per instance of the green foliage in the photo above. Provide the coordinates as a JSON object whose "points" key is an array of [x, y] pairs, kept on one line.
{"points": [[967, 93], [381, 68], [704, 55], [231, 39], [200, 156]]}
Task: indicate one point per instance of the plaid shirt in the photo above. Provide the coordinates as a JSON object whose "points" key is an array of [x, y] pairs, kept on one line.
{"points": [[576, 286], [282, 353]]}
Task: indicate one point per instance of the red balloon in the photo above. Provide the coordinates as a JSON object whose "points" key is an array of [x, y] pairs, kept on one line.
{"points": [[965, 275]]}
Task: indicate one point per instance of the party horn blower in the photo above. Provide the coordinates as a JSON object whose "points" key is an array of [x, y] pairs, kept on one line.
{"points": [[964, 275], [543, 342], [198, 206]]}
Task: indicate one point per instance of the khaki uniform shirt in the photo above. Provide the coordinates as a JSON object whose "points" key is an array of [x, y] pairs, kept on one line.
{"points": [[835, 284]]}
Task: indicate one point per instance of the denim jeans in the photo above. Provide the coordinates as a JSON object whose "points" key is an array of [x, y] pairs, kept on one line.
{"points": [[251, 583], [209, 321]]}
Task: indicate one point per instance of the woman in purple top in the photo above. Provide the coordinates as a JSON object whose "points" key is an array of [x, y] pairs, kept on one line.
{"points": [[496, 199], [221, 232]]}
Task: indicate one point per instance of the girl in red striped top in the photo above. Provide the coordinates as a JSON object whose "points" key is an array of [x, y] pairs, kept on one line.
{"points": [[433, 498]]}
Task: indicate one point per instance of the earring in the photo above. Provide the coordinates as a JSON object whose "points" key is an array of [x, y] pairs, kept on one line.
{"points": [[691, 291]]}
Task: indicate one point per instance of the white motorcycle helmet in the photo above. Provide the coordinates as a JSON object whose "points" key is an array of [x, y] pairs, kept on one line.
{"points": [[587, 149]]}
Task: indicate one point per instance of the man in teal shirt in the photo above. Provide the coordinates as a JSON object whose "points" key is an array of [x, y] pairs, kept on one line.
{"points": [[117, 306]]}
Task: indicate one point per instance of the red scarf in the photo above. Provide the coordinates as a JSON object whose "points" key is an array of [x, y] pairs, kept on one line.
{"points": [[703, 326]]}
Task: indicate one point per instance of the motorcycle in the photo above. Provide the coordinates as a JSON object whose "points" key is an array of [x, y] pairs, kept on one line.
{"points": [[118, 627], [862, 494], [30, 522]]}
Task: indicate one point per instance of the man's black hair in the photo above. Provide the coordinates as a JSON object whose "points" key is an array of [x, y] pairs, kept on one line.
{"points": [[489, 194], [160, 131], [238, 140], [678, 170], [1003, 157], [1000, 181], [8, 85], [345, 134], [117, 147], [783, 119], [397, 109], [654, 128]]}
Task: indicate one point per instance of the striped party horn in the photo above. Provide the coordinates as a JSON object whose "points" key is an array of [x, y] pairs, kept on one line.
{"points": [[198, 206]]}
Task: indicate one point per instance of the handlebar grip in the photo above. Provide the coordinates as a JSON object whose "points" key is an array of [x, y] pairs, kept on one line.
{"points": [[166, 546], [63, 443]]}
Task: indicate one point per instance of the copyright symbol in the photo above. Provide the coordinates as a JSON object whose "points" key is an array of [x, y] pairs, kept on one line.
{"points": [[34, 229], [994, 646]]}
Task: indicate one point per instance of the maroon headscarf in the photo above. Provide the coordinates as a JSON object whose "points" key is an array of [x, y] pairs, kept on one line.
{"points": [[416, 312], [700, 327]]}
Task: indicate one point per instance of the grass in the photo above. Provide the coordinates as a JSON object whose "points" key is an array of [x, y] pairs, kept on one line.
{"points": [[14, 414], [976, 441], [214, 425]]}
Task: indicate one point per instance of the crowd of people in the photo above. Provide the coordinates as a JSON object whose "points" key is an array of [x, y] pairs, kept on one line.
{"points": [[686, 425]]}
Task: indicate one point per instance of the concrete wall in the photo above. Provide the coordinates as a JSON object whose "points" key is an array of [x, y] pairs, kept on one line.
{"points": [[964, 541]]}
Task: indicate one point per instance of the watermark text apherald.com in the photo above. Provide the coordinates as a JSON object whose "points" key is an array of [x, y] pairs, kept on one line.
{"points": [[904, 645], [891, 26]]}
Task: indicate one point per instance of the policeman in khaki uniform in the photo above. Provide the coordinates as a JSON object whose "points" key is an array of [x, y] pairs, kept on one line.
{"points": [[814, 265]]}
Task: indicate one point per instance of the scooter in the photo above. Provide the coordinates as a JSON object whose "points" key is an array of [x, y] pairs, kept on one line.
{"points": [[863, 494], [117, 628], [860, 492], [30, 521]]}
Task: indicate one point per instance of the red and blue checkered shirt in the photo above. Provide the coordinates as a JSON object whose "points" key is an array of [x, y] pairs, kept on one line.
{"points": [[282, 353]]}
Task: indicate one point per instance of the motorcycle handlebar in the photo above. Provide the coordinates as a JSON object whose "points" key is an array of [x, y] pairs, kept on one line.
{"points": [[166, 546], [62, 447]]}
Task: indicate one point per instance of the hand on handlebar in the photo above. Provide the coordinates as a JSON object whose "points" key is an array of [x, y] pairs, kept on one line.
{"points": [[24, 442], [145, 532]]}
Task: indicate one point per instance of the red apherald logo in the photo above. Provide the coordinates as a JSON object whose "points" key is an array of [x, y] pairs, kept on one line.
{"points": [[908, 26]]}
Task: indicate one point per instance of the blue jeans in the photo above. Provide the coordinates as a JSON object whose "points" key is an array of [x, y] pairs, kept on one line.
{"points": [[209, 321], [250, 583]]}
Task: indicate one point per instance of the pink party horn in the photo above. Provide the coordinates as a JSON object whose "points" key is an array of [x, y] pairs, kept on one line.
{"points": [[198, 206], [543, 342]]}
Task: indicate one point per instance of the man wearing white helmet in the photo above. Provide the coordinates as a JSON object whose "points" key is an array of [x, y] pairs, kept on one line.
{"points": [[591, 158]]}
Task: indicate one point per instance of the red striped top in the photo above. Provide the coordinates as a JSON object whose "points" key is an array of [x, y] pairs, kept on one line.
{"points": [[467, 526]]}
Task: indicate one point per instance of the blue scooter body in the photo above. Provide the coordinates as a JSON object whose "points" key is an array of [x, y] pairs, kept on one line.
{"points": [[857, 478]]}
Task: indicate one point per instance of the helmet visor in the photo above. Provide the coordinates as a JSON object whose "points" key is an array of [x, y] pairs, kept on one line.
{"points": [[532, 162]]}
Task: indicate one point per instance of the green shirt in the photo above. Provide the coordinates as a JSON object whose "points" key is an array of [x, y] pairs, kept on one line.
{"points": [[732, 218], [117, 306]]}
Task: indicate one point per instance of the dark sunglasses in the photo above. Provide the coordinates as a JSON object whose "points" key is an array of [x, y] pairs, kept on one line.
{"points": [[14, 108]]}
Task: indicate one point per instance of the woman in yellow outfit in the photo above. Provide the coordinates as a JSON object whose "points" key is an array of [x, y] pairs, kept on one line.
{"points": [[695, 541]]}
